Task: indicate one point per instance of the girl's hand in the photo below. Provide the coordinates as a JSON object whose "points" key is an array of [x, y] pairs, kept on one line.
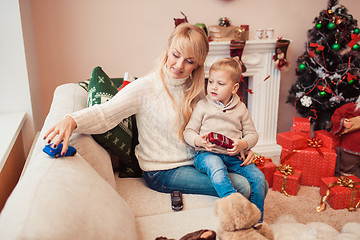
{"points": [[238, 146], [201, 141], [61, 132], [347, 123], [250, 157]]}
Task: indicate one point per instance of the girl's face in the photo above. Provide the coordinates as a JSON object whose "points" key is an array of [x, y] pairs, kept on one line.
{"points": [[178, 64], [220, 86]]}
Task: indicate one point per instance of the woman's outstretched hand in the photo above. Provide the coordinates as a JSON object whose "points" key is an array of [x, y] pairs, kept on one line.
{"points": [[61, 132], [250, 157]]}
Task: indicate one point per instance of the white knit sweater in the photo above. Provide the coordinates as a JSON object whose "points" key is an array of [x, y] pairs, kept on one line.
{"points": [[159, 147]]}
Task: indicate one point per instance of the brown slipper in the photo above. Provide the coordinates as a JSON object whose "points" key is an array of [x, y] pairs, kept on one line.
{"points": [[203, 234]]}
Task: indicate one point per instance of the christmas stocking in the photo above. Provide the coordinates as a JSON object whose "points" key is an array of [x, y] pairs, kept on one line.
{"points": [[280, 61], [236, 49]]}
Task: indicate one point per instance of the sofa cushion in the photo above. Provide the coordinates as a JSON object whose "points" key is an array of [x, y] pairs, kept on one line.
{"points": [[122, 139], [65, 198], [146, 202]]}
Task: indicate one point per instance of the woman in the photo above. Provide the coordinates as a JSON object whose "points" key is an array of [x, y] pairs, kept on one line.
{"points": [[163, 102]]}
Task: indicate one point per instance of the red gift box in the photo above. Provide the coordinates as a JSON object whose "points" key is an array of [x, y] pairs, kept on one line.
{"points": [[291, 140], [289, 183], [327, 138], [315, 163], [266, 166], [340, 196], [301, 124], [305, 134]]}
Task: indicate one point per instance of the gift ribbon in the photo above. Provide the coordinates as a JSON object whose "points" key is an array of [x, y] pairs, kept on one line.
{"points": [[286, 170], [342, 181]]}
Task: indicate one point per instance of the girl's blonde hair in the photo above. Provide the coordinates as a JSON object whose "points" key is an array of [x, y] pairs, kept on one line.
{"points": [[230, 65], [191, 41]]}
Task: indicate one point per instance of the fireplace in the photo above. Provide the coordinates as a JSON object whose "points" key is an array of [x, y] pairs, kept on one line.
{"points": [[264, 80]]}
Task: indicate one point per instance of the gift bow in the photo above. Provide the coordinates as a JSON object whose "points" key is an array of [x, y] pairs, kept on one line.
{"points": [[342, 181], [354, 39], [259, 160], [286, 170]]}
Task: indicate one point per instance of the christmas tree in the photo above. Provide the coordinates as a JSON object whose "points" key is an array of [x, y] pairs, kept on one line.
{"points": [[329, 69]]}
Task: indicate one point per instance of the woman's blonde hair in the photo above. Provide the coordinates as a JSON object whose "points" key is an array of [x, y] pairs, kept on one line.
{"points": [[230, 65], [191, 41]]}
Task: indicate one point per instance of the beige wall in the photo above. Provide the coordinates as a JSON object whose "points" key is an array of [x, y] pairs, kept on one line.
{"points": [[74, 36]]}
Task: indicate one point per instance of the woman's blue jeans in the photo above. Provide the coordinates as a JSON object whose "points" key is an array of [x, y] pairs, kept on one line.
{"points": [[217, 166], [189, 180]]}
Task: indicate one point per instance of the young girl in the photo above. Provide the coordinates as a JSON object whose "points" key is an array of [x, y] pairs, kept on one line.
{"points": [[162, 102], [223, 112]]}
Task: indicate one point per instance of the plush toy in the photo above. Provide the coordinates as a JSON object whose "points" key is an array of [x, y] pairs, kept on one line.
{"points": [[203, 234], [238, 219]]}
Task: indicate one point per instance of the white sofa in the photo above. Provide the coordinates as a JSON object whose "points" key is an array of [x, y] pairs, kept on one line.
{"points": [[80, 197]]}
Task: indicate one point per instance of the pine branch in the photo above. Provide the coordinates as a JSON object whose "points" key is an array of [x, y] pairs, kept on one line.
{"points": [[332, 3]]}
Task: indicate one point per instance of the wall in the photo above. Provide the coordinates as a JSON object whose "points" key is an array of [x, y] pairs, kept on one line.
{"points": [[72, 37], [15, 92]]}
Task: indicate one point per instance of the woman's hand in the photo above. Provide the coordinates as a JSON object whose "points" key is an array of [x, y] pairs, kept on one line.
{"points": [[238, 146], [61, 132], [250, 157]]}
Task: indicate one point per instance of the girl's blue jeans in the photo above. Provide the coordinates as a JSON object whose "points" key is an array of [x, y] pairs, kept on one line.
{"points": [[217, 166]]}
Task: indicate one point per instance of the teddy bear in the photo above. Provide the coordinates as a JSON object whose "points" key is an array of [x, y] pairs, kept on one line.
{"points": [[238, 219]]}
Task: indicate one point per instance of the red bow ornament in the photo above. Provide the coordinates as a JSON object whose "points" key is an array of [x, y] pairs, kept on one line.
{"points": [[354, 39], [318, 48]]}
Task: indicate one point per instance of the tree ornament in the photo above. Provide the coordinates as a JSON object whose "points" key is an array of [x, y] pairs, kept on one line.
{"points": [[318, 51], [356, 47], [351, 81], [318, 25], [302, 66], [357, 31], [322, 94], [335, 46], [331, 26], [349, 17], [306, 101]]}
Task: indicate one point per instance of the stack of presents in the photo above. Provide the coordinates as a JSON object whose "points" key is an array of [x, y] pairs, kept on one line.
{"points": [[310, 161]]}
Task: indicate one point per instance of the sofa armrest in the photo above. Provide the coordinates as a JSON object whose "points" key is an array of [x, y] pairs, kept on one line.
{"points": [[67, 198]]}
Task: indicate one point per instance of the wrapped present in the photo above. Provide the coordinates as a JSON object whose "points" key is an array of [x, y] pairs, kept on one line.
{"points": [[300, 125], [291, 140], [328, 139], [267, 166], [222, 33], [287, 180], [303, 133], [315, 162], [339, 193]]}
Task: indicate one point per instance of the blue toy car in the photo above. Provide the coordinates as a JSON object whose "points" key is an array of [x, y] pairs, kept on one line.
{"points": [[56, 152]]}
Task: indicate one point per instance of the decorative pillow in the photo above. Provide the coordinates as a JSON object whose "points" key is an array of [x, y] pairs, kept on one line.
{"points": [[121, 140]]}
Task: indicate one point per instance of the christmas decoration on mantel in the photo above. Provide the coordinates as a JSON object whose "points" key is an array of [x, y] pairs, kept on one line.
{"points": [[280, 61], [329, 69]]}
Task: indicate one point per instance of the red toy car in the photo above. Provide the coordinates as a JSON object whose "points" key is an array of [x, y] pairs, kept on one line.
{"points": [[220, 140]]}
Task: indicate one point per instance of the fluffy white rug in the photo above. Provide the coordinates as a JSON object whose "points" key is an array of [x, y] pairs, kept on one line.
{"points": [[287, 228]]}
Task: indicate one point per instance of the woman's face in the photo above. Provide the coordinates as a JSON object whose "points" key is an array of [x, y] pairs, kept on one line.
{"points": [[178, 64]]}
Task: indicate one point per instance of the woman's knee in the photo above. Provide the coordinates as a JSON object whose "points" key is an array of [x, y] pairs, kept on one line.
{"points": [[241, 184]]}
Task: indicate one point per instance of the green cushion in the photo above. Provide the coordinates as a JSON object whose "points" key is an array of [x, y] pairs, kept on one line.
{"points": [[121, 140]]}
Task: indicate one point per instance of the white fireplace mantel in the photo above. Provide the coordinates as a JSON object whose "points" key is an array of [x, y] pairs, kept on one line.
{"points": [[264, 102]]}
